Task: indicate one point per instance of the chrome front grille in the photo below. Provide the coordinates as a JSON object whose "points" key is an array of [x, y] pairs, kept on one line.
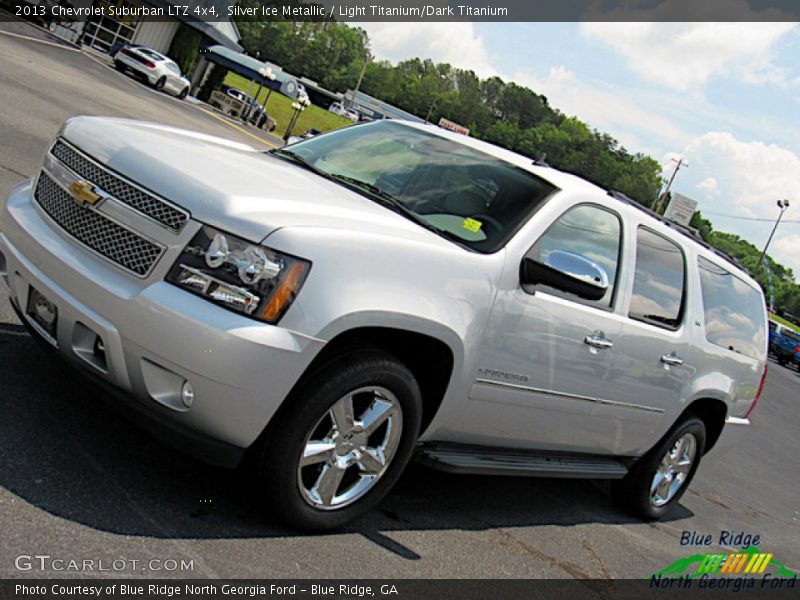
{"points": [[123, 191], [106, 237]]}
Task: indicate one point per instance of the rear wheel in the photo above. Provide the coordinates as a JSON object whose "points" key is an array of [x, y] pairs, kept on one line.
{"points": [[342, 442], [119, 66], [183, 94], [159, 85], [657, 482]]}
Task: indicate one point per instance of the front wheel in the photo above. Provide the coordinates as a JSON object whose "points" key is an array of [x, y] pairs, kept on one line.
{"points": [[183, 94], [657, 482], [342, 441]]}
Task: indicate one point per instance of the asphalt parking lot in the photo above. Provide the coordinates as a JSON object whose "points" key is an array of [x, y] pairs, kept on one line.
{"points": [[77, 481]]}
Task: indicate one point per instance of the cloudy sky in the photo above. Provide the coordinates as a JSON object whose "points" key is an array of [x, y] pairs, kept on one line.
{"points": [[726, 96]]}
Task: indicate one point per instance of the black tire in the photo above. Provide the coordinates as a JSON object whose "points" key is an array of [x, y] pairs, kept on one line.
{"points": [[278, 466], [634, 491], [159, 85], [183, 94], [119, 66]]}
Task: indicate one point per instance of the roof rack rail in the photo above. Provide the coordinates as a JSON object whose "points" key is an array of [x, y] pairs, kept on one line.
{"points": [[686, 231]]}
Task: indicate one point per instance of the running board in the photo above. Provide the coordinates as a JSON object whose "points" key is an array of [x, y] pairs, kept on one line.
{"points": [[477, 460]]}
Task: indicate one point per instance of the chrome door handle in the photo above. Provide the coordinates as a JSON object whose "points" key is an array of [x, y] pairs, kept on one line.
{"points": [[598, 340], [672, 359]]}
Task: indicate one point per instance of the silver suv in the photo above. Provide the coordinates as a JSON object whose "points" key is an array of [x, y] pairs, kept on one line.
{"points": [[384, 291]]}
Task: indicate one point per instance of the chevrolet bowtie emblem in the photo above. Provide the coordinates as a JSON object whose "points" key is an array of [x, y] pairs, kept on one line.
{"points": [[84, 193]]}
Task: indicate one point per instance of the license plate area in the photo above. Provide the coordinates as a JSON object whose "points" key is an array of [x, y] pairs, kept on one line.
{"points": [[43, 315]]}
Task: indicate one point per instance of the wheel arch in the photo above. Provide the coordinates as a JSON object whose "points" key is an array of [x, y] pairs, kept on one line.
{"points": [[712, 411], [429, 358]]}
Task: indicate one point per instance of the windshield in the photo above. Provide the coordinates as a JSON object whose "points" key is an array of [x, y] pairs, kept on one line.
{"points": [[463, 194]]}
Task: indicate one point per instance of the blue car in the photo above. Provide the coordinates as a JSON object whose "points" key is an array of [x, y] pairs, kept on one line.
{"points": [[784, 344]]}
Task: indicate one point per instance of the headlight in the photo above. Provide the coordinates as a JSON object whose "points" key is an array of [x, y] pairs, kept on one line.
{"points": [[244, 277]]}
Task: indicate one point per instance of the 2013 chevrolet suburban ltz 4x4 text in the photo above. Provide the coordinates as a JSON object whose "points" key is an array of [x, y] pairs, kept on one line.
{"points": [[384, 291]]}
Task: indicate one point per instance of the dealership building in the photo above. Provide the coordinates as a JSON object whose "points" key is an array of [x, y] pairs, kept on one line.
{"points": [[102, 33]]}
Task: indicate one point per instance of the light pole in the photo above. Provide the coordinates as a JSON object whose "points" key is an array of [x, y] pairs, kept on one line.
{"points": [[299, 106], [265, 74], [782, 205]]}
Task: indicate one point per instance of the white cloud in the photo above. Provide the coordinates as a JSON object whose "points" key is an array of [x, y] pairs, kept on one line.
{"points": [[709, 186], [684, 56], [453, 43], [609, 109], [750, 178], [786, 244]]}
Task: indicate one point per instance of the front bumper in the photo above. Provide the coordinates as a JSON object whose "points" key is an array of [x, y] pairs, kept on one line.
{"points": [[155, 336]]}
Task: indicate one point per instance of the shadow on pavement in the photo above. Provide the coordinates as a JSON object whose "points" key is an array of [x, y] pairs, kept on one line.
{"points": [[64, 451]]}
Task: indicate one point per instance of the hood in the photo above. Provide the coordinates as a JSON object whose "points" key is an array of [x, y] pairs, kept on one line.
{"points": [[230, 185]]}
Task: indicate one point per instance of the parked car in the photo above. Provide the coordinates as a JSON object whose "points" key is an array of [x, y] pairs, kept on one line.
{"points": [[159, 71], [382, 292], [336, 108], [307, 135], [256, 112], [784, 344]]}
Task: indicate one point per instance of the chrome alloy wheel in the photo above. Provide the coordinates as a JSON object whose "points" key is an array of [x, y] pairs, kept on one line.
{"points": [[673, 470], [350, 448]]}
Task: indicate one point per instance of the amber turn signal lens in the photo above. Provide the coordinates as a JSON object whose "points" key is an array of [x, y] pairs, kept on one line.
{"points": [[285, 292]]}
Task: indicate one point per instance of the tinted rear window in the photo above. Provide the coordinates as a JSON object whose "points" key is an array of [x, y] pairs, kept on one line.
{"points": [[659, 281], [734, 311]]}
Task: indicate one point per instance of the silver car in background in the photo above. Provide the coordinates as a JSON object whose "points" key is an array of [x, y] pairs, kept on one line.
{"points": [[377, 293], [161, 72]]}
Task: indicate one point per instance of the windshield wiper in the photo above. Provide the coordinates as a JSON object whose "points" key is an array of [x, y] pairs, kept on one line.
{"points": [[391, 202], [299, 160]]}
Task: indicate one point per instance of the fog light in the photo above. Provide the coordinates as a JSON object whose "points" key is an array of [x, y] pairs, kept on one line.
{"points": [[187, 394]]}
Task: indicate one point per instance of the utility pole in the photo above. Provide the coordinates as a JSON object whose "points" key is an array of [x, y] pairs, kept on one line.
{"points": [[367, 59], [663, 198], [430, 110], [782, 205]]}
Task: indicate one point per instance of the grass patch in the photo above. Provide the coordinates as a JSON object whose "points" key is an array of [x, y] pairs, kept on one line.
{"points": [[280, 108], [783, 321]]}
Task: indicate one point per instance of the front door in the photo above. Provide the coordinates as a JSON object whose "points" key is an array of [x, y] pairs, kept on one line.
{"points": [[548, 353]]}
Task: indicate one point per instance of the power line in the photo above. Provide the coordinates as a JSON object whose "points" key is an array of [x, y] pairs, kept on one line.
{"points": [[716, 214]]}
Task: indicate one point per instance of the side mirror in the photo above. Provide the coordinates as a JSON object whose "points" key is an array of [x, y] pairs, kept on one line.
{"points": [[567, 272]]}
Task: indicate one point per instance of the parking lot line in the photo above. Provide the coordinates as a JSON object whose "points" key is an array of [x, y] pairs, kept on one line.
{"points": [[38, 41], [241, 129]]}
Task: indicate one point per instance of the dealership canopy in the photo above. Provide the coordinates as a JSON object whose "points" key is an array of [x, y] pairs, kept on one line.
{"points": [[246, 66]]}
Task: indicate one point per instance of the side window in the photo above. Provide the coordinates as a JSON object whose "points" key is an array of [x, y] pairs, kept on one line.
{"points": [[734, 311], [590, 231], [659, 281]]}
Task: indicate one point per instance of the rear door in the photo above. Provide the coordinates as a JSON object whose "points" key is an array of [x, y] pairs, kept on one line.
{"points": [[652, 364]]}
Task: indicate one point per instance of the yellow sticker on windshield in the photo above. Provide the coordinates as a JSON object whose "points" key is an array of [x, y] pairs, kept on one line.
{"points": [[472, 225]]}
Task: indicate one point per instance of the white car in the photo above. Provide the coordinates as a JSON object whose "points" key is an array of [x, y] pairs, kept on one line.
{"points": [[337, 108], [160, 71]]}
